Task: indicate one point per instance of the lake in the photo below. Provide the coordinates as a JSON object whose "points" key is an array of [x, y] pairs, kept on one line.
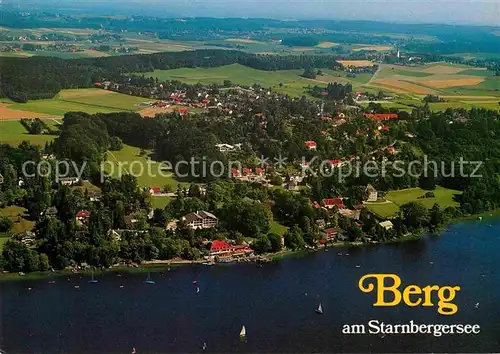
{"points": [[276, 303]]}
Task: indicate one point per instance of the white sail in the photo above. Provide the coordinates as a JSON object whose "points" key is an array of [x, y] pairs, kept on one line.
{"points": [[320, 309], [243, 332]]}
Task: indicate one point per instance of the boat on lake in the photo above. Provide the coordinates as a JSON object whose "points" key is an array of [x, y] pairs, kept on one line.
{"points": [[319, 310], [149, 280], [243, 332], [93, 280]]}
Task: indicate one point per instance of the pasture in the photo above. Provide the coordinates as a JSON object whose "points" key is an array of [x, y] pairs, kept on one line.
{"points": [[442, 196], [74, 100]]}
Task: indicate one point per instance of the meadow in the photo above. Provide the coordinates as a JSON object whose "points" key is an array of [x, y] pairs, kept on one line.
{"points": [[285, 81], [90, 100], [12, 132], [442, 196]]}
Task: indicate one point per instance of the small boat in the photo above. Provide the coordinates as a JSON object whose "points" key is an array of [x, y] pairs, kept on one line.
{"points": [[149, 280], [480, 218], [195, 281], [77, 286], [358, 266], [319, 310], [204, 346], [133, 351], [52, 281], [477, 305], [197, 290], [243, 332], [121, 286], [93, 281]]}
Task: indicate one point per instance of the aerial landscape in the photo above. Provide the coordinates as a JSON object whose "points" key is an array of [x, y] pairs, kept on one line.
{"points": [[222, 177]]}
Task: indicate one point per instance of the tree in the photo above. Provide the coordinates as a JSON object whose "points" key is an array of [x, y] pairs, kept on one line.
{"points": [[5, 224], [293, 238], [276, 242], [309, 73], [115, 144], [414, 215], [262, 244]]}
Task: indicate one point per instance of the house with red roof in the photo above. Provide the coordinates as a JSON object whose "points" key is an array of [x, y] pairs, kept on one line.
{"points": [[329, 203], [82, 215], [310, 144], [335, 163], [155, 190], [381, 116], [330, 234], [247, 171], [259, 171], [235, 172], [225, 252], [391, 149]]}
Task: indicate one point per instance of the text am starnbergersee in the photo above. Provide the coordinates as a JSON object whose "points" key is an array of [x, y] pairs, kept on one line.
{"points": [[388, 286]]}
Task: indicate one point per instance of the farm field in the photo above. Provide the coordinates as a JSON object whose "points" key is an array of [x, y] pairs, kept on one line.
{"points": [[460, 85], [443, 196], [12, 132], [77, 100]]}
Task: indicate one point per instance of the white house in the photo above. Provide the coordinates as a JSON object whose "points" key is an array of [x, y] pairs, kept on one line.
{"points": [[372, 193], [201, 220], [386, 224]]}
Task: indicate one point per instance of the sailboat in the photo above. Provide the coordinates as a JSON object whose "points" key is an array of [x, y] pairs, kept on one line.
{"points": [[149, 280], [319, 310], [243, 332], [92, 281]]}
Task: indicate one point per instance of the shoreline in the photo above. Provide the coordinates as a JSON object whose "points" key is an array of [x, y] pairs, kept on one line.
{"points": [[167, 265]]}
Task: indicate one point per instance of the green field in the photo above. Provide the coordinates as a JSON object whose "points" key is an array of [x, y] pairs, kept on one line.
{"points": [[17, 215], [133, 163], [12, 132], [292, 82], [82, 100], [443, 196]]}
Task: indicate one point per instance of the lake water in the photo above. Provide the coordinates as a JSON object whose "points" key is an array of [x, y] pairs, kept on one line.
{"points": [[276, 303]]}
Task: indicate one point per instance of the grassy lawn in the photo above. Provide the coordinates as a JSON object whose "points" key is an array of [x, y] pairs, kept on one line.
{"points": [[12, 132], [277, 228], [159, 202], [443, 197], [17, 215], [133, 163]]}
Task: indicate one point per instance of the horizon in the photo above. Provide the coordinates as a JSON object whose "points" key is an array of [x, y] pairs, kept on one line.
{"points": [[486, 13]]}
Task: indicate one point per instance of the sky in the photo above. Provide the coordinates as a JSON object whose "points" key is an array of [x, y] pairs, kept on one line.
{"points": [[480, 12]]}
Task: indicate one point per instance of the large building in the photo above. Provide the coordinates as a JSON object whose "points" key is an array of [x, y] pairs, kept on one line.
{"points": [[201, 220]]}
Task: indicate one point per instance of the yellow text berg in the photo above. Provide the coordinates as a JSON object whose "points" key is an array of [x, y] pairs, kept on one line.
{"points": [[412, 295]]}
